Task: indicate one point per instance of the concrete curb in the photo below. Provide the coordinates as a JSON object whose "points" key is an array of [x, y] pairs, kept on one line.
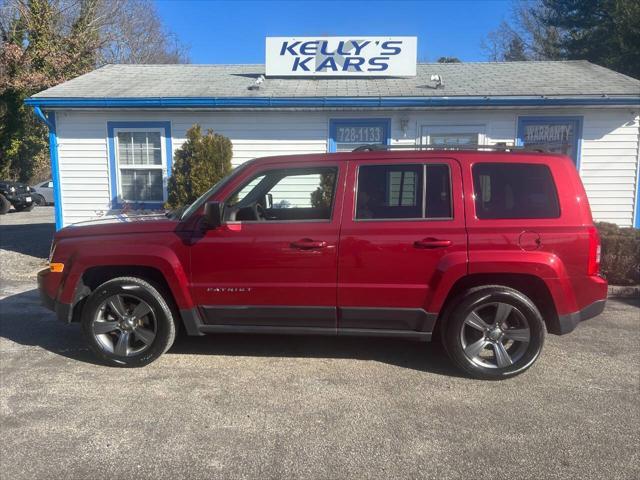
{"points": [[626, 291]]}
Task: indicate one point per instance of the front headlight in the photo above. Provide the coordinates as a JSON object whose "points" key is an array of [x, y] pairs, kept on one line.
{"points": [[28, 189], [12, 189]]}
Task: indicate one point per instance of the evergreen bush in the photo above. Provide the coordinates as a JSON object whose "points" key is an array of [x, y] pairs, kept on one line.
{"points": [[199, 163]]}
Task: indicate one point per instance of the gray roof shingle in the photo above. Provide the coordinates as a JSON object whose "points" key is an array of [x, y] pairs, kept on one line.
{"points": [[566, 78]]}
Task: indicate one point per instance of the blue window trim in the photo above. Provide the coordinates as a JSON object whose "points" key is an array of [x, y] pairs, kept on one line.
{"points": [[548, 119], [334, 123], [113, 169], [325, 102]]}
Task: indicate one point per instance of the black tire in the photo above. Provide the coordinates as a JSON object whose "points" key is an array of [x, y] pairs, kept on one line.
{"points": [[39, 200], [5, 205], [26, 208], [521, 333], [131, 288]]}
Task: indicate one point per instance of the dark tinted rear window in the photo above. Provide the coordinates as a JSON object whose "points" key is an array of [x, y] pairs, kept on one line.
{"points": [[505, 190]]}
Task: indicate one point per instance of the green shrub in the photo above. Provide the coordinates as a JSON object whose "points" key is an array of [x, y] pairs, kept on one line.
{"points": [[620, 254], [201, 162]]}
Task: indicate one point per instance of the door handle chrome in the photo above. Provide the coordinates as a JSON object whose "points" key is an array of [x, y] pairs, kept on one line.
{"points": [[432, 243], [308, 244]]}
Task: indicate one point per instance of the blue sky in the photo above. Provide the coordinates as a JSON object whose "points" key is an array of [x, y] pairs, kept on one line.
{"points": [[234, 31]]}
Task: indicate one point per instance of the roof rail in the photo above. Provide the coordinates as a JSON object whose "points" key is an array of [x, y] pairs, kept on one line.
{"points": [[470, 146]]}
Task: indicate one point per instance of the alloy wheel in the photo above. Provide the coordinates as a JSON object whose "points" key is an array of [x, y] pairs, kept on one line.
{"points": [[495, 335], [124, 325]]}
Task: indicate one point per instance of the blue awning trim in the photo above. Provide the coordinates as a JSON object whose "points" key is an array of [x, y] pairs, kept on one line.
{"points": [[326, 102]]}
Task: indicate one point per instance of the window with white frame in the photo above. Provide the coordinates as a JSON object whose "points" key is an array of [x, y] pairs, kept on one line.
{"points": [[452, 135], [141, 165]]}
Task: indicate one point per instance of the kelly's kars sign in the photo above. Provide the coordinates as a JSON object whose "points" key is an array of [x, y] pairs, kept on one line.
{"points": [[341, 56]]}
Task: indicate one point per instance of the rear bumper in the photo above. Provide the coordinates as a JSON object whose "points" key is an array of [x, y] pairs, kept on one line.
{"points": [[47, 298], [568, 322]]}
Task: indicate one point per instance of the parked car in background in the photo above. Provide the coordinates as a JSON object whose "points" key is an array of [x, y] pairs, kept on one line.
{"points": [[17, 194], [43, 193], [485, 250]]}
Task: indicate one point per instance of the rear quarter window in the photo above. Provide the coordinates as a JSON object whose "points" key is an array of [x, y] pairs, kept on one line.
{"points": [[518, 190]]}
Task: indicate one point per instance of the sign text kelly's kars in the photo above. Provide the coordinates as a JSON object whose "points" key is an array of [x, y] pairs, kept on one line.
{"points": [[341, 56]]}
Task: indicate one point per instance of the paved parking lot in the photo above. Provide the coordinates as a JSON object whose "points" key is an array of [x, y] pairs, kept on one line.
{"points": [[306, 407]]}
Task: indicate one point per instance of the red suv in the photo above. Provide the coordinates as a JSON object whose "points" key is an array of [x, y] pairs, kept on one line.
{"points": [[486, 250]]}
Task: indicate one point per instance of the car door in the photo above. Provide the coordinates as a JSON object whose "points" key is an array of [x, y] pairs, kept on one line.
{"points": [[273, 262], [401, 225]]}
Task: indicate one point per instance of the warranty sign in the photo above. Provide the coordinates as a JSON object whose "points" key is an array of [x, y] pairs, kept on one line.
{"points": [[341, 56]]}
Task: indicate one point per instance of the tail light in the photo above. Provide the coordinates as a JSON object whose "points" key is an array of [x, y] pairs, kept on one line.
{"points": [[594, 251]]}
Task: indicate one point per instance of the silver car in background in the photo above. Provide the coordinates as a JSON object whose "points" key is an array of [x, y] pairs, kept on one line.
{"points": [[43, 193]]}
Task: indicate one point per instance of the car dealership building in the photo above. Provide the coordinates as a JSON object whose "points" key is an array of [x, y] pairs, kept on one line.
{"points": [[113, 131]]}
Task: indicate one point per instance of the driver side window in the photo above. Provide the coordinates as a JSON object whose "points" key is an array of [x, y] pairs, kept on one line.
{"points": [[285, 195]]}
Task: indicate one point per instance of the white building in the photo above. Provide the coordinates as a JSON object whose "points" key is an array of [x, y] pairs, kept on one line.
{"points": [[113, 131]]}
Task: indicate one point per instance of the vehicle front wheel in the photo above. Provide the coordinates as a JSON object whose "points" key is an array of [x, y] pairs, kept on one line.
{"points": [[494, 333], [5, 205], [127, 322]]}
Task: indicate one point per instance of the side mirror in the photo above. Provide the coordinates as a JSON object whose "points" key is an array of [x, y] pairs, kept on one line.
{"points": [[213, 214]]}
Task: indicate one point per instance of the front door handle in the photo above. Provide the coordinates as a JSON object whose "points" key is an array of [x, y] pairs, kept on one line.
{"points": [[308, 244], [432, 243]]}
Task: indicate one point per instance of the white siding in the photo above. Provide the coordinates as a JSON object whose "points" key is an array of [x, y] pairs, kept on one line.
{"points": [[609, 156]]}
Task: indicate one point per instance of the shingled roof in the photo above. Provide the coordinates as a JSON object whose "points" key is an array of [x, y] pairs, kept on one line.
{"points": [[526, 79]]}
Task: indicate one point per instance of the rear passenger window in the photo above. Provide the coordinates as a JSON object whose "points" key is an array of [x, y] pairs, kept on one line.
{"points": [[505, 190], [401, 192]]}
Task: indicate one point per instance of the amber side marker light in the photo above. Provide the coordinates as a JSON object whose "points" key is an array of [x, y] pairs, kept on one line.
{"points": [[56, 267]]}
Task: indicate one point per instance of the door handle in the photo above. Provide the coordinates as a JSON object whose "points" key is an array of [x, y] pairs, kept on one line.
{"points": [[308, 244], [432, 243]]}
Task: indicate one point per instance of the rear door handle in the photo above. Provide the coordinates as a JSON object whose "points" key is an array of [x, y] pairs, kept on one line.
{"points": [[432, 243], [308, 244]]}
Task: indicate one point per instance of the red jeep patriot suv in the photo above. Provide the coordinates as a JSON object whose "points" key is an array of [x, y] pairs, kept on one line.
{"points": [[487, 250]]}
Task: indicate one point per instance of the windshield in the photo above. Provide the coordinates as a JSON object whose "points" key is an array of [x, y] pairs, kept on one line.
{"points": [[185, 212]]}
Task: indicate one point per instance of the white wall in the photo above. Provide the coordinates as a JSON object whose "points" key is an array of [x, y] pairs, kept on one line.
{"points": [[609, 153]]}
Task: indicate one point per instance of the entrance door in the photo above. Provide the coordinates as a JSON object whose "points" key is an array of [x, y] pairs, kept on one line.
{"points": [[399, 226], [273, 262]]}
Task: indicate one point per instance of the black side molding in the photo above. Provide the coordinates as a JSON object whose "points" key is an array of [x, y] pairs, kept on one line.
{"points": [[270, 316], [569, 321], [413, 319]]}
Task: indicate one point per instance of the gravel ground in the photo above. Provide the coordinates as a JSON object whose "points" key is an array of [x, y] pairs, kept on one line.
{"points": [[309, 407], [25, 239]]}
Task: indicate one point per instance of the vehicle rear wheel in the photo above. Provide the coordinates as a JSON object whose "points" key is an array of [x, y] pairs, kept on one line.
{"points": [[25, 208], [127, 322], [5, 205], [39, 200], [494, 333]]}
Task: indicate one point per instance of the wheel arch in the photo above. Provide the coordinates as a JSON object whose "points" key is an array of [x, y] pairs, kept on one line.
{"points": [[95, 276], [532, 286]]}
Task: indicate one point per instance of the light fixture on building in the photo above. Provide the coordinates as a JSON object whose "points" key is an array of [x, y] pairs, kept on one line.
{"points": [[404, 126], [256, 85]]}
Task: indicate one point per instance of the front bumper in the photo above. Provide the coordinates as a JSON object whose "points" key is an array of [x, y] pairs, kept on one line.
{"points": [[48, 299], [20, 199], [569, 321]]}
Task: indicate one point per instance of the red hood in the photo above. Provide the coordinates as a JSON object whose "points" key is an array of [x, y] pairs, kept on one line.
{"points": [[118, 225]]}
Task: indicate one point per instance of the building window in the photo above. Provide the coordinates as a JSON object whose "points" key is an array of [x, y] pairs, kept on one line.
{"points": [[140, 158], [346, 135], [552, 134], [452, 135]]}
